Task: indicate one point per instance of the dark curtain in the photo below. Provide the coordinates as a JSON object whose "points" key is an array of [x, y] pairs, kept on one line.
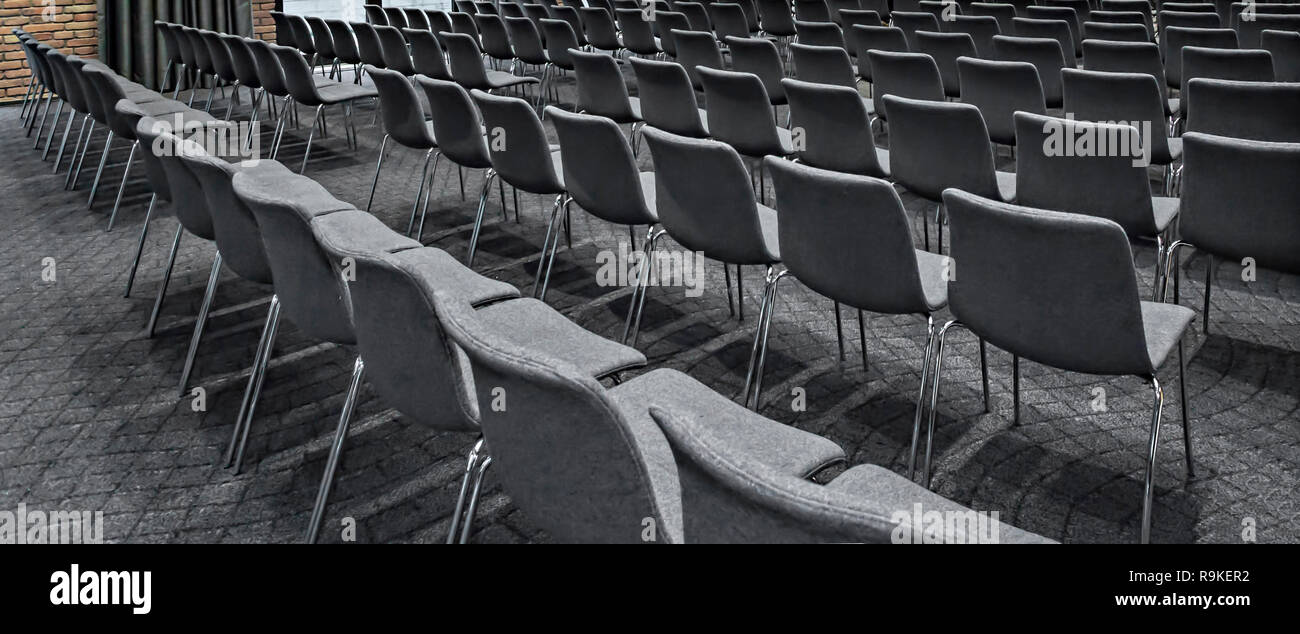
{"points": [[129, 43]]}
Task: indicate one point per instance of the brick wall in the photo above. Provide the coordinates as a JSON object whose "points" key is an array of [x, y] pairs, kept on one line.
{"points": [[263, 25], [69, 25]]}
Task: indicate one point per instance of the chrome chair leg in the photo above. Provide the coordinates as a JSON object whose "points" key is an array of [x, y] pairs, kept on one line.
{"points": [[1015, 390], [332, 464], [139, 247], [272, 316], [839, 330], [478, 220], [273, 326], [984, 374], [726, 272], [63, 145], [311, 136], [167, 278], [1147, 489], [473, 500], [201, 323], [753, 353], [640, 308], [920, 397], [774, 282], [76, 150], [934, 399], [542, 271], [99, 173], [85, 149], [1182, 394], [471, 466], [49, 139], [1209, 285], [121, 189], [642, 281], [419, 192], [428, 194]]}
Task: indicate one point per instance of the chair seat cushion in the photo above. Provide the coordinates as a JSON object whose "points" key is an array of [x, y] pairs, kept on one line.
{"points": [[1173, 105], [882, 155], [336, 92], [767, 220], [784, 448], [934, 282], [501, 79], [1007, 186], [786, 139], [452, 277], [648, 194], [1165, 209], [1164, 325], [535, 326], [877, 487], [1175, 148]]}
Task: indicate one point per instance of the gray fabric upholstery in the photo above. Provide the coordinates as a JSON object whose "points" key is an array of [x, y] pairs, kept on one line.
{"points": [[427, 56], [1120, 97], [911, 22], [1285, 48], [981, 29], [760, 57], [1071, 18], [1174, 39], [834, 124], [313, 295], [601, 90], [696, 50], [838, 229], [1116, 32], [561, 447], [1046, 56], [399, 106], [1051, 287], [1248, 31], [1240, 199], [999, 90], [1000, 11], [1108, 185], [667, 98], [731, 495], [1047, 28], [599, 169], [946, 48], [234, 227], [740, 113], [924, 135], [1215, 63], [880, 38], [909, 75], [1129, 57], [524, 161], [536, 327], [823, 65], [705, 201], [456, 123], [1216, 106], [819, 34]]}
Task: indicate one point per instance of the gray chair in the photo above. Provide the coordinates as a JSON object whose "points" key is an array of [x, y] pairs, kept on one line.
{"points": [[1071, 18], [601, 176], [308, 290], [729, 494], [776, 18], [1127, 98], [602, 91], [369, 49], [411, 363], [924, 135], [427, 57], [1115, 32], [665, 24], [834, 128], [705, 202], [668, 99], [1234, 208], [696, 14], [1020, 288], [638, 38], [1142, 17], [560, 38], [1249, 31], [910, 75], [1044, 54], [526, 43], [811, 11], [760, 57], [324, 42], [1284, 46], [728, 20], [528, 162], [458, 127], [823, 65], [879, 38], [981, 29], [838, 229], [911, 22], [1131, 57], [1182, 19], [946, 48], [1002, 12], [305, 91], [696, 50], [850, 18], [1219, 104], [1109, 183], [1175, 39], [740, 116], [819, 34], [396, 50], [465, 61], [587, 463], [599, 28], [346, 49], [404, 124], [999, 90], [1223, 63], [1052, 29]]}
